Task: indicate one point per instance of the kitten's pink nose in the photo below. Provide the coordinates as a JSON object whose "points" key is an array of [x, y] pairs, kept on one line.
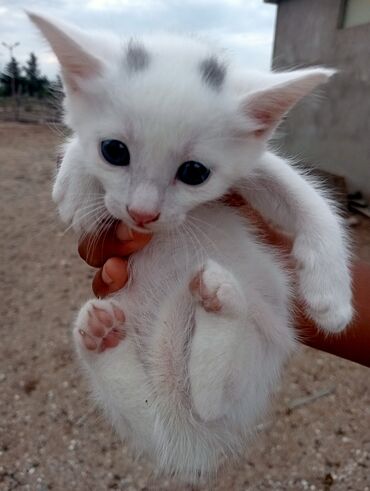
{"points": [[141, 217]]}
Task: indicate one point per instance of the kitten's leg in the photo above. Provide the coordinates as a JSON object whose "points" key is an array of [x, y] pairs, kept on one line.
{"points": [[217, 290], [99, 326], [320, 249], [74, 191], [117, 378], [214, 364]]}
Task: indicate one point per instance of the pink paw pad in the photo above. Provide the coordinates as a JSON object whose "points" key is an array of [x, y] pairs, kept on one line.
{"points": [[216, 290], [103, 328], [206, 297]]}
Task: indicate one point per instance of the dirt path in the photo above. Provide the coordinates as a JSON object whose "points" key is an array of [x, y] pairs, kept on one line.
{"points": [[50, 439]]}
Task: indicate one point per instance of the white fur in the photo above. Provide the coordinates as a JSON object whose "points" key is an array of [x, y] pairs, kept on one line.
{"points": [[188, 385]]}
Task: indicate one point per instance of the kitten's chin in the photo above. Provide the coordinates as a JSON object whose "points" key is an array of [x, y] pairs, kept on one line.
{"points": [[172, 223]]}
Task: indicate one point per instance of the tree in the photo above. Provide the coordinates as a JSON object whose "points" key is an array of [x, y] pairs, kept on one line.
{"points": [[32, 75], [58, 84], [36, 85], [32, 83], [11, 79]]}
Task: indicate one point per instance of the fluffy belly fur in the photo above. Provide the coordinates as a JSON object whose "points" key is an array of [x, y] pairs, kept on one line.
{"points": [[206, 332]]}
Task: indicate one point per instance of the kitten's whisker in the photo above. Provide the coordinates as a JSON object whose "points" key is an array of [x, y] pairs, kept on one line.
{"points": [[203, 222], [93, 220], [104, 223], [210, 241], [96, 204], [184, 248], [74, 223], [94, 238], [97, 199], [110, 222], [199, 249]]}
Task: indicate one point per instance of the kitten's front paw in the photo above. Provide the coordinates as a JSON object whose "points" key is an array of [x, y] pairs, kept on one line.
{"points": [[99, 325], [328, 313], [216, 289], [328, 297]]}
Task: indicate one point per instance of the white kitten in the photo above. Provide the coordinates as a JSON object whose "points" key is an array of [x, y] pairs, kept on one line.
{"points": [[184, 358]]}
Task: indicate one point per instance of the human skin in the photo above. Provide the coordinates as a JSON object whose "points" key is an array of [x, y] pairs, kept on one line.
{"points": [[111, 252]]}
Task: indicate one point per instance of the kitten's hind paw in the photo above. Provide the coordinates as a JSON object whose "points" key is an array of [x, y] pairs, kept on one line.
{"points": [[216, 289], [99, 325]]}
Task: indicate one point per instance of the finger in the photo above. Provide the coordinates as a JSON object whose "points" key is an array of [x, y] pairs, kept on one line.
{"points": [[117, 241], [123, 232], [96, 250], [132, 240], [127, 248], [111, 278]]}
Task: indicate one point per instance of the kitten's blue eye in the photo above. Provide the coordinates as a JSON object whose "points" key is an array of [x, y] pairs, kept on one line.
{"points": [[115, 152], [192, 173]]}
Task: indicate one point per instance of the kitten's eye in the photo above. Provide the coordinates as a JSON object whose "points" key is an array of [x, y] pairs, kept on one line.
{"points": [[192, 173], [115, 152]]}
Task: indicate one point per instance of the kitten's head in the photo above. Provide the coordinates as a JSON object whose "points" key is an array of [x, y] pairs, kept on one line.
{"points": [[160, 125]]}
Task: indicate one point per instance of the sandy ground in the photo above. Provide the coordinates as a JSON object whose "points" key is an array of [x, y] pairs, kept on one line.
{"points": [[50, 439]]}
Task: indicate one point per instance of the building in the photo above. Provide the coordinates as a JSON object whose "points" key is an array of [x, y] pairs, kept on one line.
{"points": [[333, 130]]}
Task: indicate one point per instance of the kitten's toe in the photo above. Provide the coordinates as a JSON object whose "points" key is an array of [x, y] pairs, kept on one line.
{"points": [[216, 289], [99, 325]]}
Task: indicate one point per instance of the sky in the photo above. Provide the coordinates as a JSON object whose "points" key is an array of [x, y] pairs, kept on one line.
{"points": [[244, 27]]}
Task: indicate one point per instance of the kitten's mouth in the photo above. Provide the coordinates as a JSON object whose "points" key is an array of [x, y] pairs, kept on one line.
{"points": [[142, 228], [150, 228], [139, 228], [155, 226]]}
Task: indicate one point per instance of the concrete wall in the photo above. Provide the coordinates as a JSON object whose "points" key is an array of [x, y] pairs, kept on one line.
{"points": [[331, 130]]}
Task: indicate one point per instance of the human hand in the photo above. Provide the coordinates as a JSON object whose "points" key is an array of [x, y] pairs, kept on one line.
{"points": [[109, 253]]}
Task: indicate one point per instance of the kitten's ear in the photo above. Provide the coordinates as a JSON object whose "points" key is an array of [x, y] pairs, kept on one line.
{"points": [[67, 43], [266, 108]]}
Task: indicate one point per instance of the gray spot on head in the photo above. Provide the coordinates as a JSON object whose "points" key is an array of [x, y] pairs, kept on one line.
{"points": [[213, 72], [137, 57]]}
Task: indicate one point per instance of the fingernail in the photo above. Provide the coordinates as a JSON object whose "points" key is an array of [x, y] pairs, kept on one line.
{"points": [[105, 277], [123, 232]]}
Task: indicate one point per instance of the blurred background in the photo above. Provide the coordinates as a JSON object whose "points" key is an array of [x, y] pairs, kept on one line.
{"points": [[317, 436]]}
